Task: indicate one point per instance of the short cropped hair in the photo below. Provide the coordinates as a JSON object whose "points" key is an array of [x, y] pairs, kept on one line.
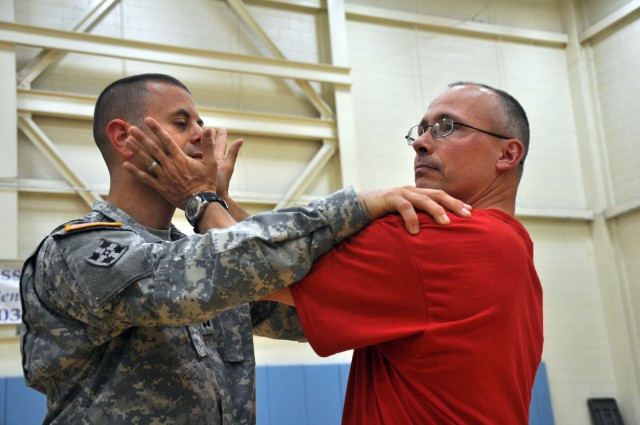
{"points": [[125, 99], [513, 118]]}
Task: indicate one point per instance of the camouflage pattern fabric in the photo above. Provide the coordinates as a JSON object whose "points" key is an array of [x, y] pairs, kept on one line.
{"points": [[122, 327]]}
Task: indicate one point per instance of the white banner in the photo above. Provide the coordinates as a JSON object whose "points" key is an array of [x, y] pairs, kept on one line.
{"points": [[10, 307]]}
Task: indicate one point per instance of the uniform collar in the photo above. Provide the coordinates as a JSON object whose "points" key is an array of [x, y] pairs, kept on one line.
{"points": [[116, 214]]}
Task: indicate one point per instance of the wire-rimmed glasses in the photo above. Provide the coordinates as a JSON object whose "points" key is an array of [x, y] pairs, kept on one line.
{"points": [[442, 128]]}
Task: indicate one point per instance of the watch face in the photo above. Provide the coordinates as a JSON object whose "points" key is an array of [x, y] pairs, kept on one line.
{"points": [[192, 208], [196, 205]]}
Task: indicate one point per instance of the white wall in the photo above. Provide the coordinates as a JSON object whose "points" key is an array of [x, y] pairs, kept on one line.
{"points": [[580, 193], [423, 67], [576, 348], [616, 61], [628, 244], [613, 58]]}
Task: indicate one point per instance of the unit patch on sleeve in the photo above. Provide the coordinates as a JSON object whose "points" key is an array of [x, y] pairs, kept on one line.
{"points": [[106, 253]]}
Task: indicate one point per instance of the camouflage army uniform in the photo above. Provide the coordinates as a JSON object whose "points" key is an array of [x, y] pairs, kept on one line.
{"points": [[123, 327]]}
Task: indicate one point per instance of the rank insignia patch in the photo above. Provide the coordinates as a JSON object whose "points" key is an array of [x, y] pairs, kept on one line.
{"points": [[106, 254]]}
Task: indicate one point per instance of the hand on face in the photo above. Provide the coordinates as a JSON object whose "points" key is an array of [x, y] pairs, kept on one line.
{"points": [[405, 200], [178, 176], [226, 161]]}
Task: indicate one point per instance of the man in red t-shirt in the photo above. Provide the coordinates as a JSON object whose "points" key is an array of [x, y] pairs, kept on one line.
{"points": [[446, 326]]}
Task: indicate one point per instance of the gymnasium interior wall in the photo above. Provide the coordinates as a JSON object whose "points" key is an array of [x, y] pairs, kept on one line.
{"points": [[573, 64]]}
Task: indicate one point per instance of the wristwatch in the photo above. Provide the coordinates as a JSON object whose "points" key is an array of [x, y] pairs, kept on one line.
{"points": [[197, 204]]}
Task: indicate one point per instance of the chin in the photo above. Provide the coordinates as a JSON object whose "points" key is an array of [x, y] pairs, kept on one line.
{"points": [[424, 183]]}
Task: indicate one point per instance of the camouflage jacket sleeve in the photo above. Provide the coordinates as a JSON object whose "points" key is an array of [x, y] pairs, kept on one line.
{"points": [[111, 278], [275, 320]]}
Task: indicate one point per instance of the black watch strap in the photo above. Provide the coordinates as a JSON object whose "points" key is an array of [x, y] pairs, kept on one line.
{"points": [[199, 201], [213, 197]]}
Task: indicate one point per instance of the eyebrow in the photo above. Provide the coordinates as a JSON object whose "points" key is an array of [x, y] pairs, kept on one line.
{"points": [[438, 118], [186, 114]]}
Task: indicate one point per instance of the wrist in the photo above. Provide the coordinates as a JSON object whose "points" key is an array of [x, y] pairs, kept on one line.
{"points": [[365, 199], [198, 204], [215, 217]]}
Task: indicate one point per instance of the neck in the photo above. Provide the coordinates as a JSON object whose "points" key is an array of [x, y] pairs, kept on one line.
{"points": [[505, 206], [142, 203], [499, 196]]}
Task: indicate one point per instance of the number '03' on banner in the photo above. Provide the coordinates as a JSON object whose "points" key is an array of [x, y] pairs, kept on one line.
{"points": [[10, 307]]}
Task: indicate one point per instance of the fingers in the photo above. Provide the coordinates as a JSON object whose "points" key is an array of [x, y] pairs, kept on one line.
{"points": [[165, 143], [406, 200], [408, 214], [445, 202], [153, 153], [222, 155], [177, 175], [209, 146], [435, 202], [141, 154], [234, 150], [221, 145], [424, 202], [145, 178], [232, 156], [143, 147], [226, 161]]}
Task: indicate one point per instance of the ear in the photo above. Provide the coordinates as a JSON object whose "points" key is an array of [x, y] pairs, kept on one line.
{"points": [[512, 154], [117, 134]]}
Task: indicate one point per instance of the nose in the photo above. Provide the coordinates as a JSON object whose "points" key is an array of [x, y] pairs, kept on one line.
{"points": [[197, 133], [423, 144]]}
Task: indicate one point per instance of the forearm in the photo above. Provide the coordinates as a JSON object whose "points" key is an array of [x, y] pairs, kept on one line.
{"points": [[215, 217], [292, 238], [225, 267], [235, 210], [276, 321]]}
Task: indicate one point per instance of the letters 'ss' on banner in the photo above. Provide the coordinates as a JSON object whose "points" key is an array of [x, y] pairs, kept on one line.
{"points": [[10, 307]]}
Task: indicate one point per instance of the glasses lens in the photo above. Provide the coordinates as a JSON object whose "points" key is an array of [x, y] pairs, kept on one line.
{"points": [[443, 128], [413, 134]]}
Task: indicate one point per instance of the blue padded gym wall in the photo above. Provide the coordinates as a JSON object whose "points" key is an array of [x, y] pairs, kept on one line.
{"points": [[286, 395]]}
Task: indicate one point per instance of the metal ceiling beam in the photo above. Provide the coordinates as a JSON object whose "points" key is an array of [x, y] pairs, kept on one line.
{"points": [[61, 188], [80, 107], [27, 35], [55, 104], [437, 23], [46, 57], [345, 109], [311, 171], [270, 200], [609, 21], [270, 125], [306, 5], [245, 15], [472, 28], [48, 148], [304, 180]]}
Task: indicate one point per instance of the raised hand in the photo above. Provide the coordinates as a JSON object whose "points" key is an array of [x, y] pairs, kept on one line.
{"points": [[226, 161], [167, 169], [405, 200]]}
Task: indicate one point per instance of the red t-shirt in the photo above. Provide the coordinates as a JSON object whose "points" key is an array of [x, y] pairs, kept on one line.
{"points": [[446, 325]]}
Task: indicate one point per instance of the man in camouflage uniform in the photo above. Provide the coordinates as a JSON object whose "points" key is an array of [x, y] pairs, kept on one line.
{"points": [[129, 321]]}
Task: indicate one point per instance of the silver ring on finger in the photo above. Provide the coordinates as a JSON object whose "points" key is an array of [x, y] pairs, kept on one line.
{"points": [[153, 166]]}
